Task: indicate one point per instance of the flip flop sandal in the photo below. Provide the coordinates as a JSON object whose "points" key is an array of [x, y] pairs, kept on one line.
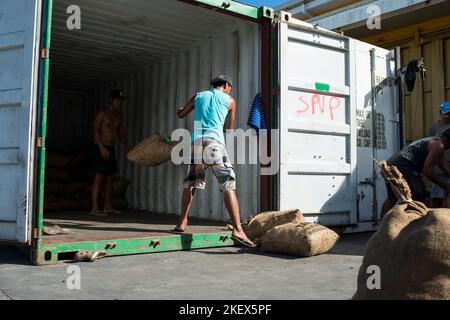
{"points": [[244, 242], [89, 256], [61, 230], [54, 230], [178, 230]]}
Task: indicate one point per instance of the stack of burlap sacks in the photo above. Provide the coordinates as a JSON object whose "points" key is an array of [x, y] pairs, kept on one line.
{"points": [[287, 232], [68, 180], [409, 256]]}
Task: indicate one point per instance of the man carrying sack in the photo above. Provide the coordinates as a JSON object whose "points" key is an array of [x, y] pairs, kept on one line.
{"points": [[420, 157], [107, 127], [208, 151]]}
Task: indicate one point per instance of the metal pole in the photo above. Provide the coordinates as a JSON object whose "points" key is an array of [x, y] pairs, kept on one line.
{"points": [[401, 106], [374, 135]]}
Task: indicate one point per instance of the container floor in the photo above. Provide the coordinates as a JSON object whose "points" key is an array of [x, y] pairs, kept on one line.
{"points": [[130, 224]]}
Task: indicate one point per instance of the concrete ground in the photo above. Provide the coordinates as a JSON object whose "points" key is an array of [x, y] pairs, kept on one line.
{"points": [[223, 273]]}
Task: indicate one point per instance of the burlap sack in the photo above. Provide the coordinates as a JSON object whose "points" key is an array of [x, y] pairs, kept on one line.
{"points": [[119, 203], [79, 160], [120, 186], [57, 160], [303, 239], [57, 174], [60, 204], [412, 250], [52, 188], [82, 173], [263, 222], [77, 186], [151, 152]]}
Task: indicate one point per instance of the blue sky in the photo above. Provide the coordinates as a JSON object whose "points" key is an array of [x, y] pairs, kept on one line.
{"points": [[268, 3]]}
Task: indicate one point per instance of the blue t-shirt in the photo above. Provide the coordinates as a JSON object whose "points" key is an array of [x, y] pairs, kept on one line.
{"points": [[211, 110]]}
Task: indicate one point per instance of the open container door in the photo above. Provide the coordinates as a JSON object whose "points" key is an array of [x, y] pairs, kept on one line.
{"points": [[19, 58], [316, 121], [378, 137]]}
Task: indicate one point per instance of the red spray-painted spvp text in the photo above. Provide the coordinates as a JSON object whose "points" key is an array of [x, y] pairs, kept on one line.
{"points": [[326, 105]]}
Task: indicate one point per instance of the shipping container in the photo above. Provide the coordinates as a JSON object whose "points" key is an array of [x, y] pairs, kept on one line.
{"points": [[330, 102]]}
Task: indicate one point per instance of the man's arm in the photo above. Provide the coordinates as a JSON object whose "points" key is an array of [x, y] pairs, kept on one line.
{"points": [[435, 157], [232, 114], [443, 164], [98, 120], [431, 131], [184, 111], [123, 136]]}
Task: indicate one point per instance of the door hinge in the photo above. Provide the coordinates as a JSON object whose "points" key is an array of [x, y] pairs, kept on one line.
{"points": [[44, 53], [36, 233], [367, 182], [39, 142]]}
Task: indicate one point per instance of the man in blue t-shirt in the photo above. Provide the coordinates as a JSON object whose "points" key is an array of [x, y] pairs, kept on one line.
{"points": [[211, 109]]}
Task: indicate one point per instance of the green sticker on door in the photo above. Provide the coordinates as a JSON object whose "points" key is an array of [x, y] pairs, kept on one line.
{"points": [[322, 87]]}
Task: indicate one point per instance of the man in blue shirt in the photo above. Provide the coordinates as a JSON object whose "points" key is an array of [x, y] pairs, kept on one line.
{"points": [[211, 108]]}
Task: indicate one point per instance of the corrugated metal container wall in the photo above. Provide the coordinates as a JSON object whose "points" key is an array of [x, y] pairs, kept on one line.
{"points": [[157, 91], [69, 118]]}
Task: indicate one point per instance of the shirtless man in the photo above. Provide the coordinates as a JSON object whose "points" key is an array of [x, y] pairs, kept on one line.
{"points": [[108, 125]]}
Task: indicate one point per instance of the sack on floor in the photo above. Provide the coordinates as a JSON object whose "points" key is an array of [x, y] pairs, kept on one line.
{"points": [[303, 239], [57, 160], [152, 151], [120, 186], [52, 188], [78, 196], [411, 252], [60, 205], [79, 160], [263, 222], [73, 202], [57, 174], [80, 174], [119, 203], [76, 187]]}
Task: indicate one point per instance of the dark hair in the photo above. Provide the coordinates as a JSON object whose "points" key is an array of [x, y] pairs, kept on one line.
{"points": [[221, 81], [446, 134], [218, 84]]}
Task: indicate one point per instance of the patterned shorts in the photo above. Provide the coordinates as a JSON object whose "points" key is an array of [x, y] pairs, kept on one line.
{"points": [[210, 154]]}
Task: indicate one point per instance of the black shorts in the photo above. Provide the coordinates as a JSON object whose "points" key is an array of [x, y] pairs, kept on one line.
{"points": [[412, 177], [105, 166]]}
